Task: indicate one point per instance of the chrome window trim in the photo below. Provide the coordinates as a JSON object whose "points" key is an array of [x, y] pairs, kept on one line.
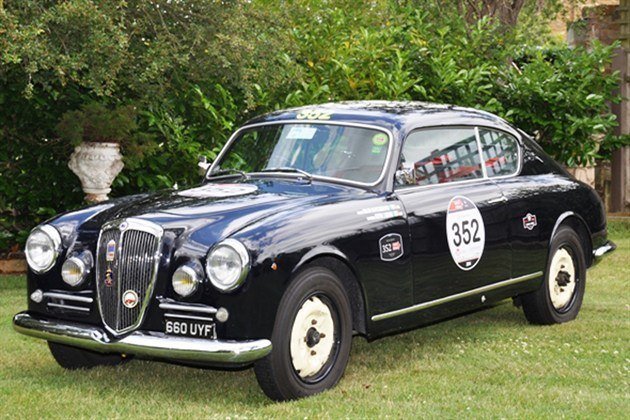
{"points": [[403, 189], [446, 299], [519, 160], [381, 178], [484, 170], [131, 224]]}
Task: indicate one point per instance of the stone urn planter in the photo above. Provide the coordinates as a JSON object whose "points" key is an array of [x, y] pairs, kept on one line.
{"points": [[96, 164], [585, 174]]}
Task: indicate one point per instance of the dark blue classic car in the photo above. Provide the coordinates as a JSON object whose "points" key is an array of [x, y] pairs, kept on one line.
{"points": [[313, 225]]}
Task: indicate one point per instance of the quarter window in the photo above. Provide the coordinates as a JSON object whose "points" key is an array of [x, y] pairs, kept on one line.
{"points": [[440, 155], [500, 152]]}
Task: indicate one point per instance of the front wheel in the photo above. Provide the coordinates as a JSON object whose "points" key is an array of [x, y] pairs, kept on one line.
{"points": [[560, 296], [311, 339]]}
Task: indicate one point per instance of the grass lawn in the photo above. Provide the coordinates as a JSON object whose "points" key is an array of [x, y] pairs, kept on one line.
{"points": [[488, 364]]}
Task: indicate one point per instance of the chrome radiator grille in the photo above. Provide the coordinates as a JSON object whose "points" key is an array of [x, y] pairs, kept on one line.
{"points": [[128, 252]]}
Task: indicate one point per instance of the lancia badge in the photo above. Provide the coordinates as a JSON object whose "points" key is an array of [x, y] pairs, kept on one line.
{"points": [[111, 250], [109, 277], [130, 299]]}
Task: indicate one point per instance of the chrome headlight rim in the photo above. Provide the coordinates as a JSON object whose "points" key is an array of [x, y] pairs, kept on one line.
{"points": [[193, 273], [243, 254], [85, 261], [55, 237]]}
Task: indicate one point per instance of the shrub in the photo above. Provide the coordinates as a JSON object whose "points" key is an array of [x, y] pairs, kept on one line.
{"points": [[563, 96], [193, 70]]}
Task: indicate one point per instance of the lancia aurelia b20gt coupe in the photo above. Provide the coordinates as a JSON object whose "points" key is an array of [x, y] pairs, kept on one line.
{"points": [[313, 225]]}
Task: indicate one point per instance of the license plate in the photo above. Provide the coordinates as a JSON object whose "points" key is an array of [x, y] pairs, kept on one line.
{"points": [[190, 329]]}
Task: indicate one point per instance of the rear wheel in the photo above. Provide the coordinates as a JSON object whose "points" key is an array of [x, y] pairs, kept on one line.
{"points": [[73, 358], [560, 296], [311, 339]]}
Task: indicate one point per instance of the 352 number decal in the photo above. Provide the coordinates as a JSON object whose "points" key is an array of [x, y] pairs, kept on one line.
{"points": [[465, 232]]}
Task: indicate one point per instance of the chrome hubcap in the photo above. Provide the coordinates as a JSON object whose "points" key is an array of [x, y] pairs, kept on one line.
{"points": [[561, 278], [312, 337]]}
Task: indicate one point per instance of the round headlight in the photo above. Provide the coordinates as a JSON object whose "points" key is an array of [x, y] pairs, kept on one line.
{"points": [[227, 265], [185, 280], [42, 248], [75, 269]]}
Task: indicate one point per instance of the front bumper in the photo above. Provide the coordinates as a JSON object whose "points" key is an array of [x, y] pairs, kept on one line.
{"points": [[602, 251], [143, 343]]}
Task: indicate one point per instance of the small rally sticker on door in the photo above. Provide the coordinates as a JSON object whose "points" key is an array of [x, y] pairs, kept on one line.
{"points": [[391, 247], [529, 221], [465, 232]]}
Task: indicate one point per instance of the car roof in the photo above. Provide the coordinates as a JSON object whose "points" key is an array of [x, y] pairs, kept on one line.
{"points": [[401, 116]]}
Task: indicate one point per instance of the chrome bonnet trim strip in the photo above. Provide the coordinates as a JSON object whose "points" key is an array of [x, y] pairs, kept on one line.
{"points": [[440, 301], [143, 343], [64, 296]]}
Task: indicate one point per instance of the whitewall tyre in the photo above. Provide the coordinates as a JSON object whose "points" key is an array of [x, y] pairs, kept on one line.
{"points": [[559, 298], [311, 339]]}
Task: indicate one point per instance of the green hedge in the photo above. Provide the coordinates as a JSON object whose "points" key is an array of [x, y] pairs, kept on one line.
{"points": [[192, 71]]}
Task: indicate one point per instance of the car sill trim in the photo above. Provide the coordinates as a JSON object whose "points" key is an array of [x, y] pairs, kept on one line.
{"points": [[446, 299]]}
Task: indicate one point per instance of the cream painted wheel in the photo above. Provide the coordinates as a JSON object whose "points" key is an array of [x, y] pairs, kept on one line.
{"points": [[312, 337], [562, 280], [559, 297]]}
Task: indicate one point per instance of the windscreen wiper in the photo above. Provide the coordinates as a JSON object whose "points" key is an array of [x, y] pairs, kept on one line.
{"points": [[307, 175], [227, 171]]}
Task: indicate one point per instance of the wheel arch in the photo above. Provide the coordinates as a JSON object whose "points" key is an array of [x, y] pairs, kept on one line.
{"points": [[579, 225], [333, 259]]}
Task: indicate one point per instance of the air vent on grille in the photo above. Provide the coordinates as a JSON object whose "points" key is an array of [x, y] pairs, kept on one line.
{"points": [[128, 253]]}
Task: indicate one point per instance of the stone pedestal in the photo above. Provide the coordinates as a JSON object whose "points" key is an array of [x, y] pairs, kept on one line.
{"points": [[585, 174]]}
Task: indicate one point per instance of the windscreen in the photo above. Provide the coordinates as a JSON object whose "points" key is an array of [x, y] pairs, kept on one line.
{"points": [[350, 153]]}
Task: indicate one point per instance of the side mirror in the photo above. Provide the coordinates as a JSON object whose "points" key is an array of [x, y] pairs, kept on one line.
{"points": [[203, 165]]}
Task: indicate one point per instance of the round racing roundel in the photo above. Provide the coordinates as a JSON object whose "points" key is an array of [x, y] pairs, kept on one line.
{"points": [[465, 232]]}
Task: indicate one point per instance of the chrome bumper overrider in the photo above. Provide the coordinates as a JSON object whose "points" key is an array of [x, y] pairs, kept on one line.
{"points": [[143, 343], [602, 251]]}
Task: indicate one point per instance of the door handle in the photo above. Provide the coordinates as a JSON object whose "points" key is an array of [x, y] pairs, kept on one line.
{"points": [[502, 199]]}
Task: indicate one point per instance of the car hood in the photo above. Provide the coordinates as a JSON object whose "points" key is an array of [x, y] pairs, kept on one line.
{"points": [[212, 211]]}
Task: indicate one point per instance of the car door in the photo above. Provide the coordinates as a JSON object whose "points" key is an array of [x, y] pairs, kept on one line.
{"points": [[528, 195], [457, 216]]}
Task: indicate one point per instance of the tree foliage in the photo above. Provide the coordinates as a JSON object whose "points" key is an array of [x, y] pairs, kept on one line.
{"points": [[191, 70]]}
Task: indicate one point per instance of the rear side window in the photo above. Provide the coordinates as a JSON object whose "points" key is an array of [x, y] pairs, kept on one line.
{"points": [[440, 155], [500, 152]]}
